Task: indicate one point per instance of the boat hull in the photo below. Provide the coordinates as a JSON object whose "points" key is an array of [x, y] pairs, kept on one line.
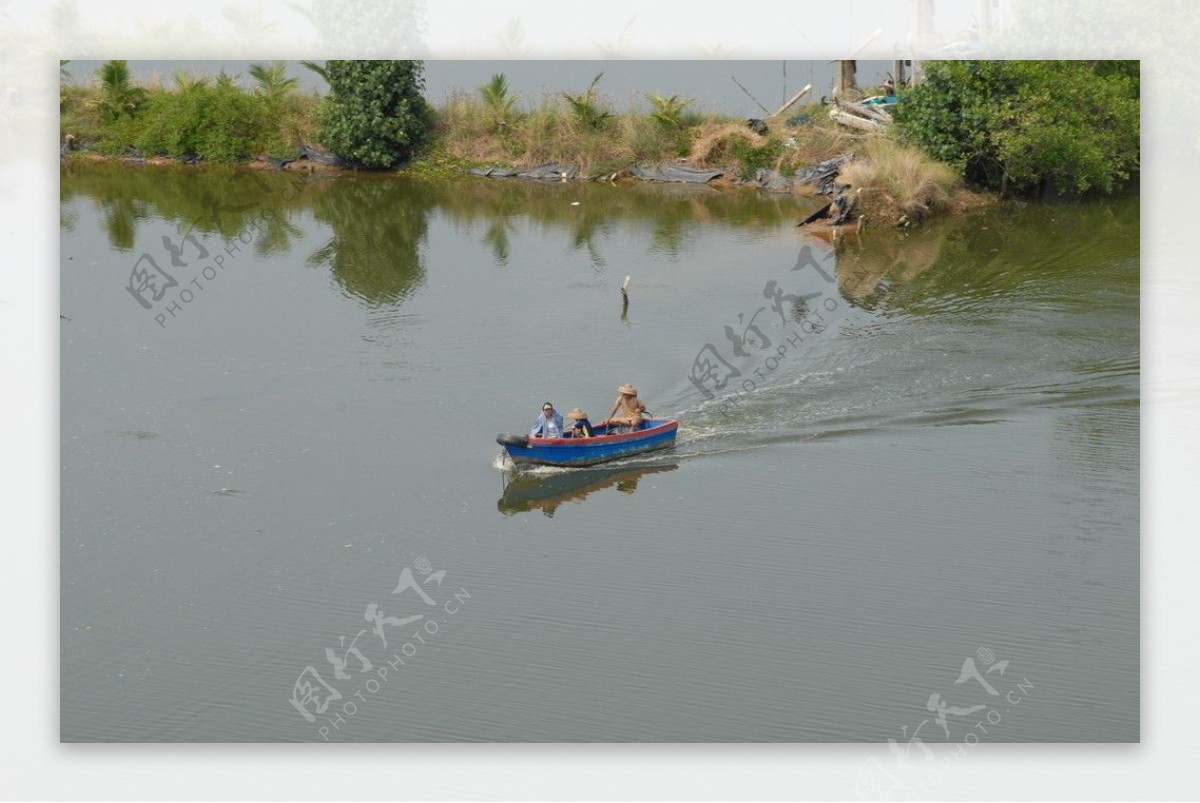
{"points": [[601, 448]]}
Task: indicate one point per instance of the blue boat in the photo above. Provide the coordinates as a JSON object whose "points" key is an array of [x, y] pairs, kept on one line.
{"points": [[656, 433]]}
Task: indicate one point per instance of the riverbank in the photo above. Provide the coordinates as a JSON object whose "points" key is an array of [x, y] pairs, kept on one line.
{"points": [[892, 184], [966, 130]]}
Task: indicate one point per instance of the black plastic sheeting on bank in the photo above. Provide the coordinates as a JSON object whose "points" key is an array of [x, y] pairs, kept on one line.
{"points": [[771, 180], [675, 173], [824, 175], [559, 172], [547, 172], [322, 158]]}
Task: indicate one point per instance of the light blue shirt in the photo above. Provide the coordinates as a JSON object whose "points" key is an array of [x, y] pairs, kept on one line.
{"points": [[546, 427]]}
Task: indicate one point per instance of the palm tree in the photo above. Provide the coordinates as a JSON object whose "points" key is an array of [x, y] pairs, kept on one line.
{"points": [[186, 82], [668, 112], [586, 106], [273, 81], [319, 69], [225, 80], [499, 102], [118, 95]]}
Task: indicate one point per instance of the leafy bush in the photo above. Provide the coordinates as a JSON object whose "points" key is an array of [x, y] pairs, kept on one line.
{"points": [[375, 115], [219, 123], [1025, 124]]}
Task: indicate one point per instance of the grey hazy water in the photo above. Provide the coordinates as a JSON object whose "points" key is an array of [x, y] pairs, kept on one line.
{"points": [[946, 469]]}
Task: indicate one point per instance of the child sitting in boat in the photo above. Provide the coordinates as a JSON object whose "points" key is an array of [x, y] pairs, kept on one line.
{"points": [[578, 425]]}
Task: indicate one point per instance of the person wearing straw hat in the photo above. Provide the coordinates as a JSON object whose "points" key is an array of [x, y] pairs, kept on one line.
{"points": [[628, 411], [578, 425], [549, 424]]}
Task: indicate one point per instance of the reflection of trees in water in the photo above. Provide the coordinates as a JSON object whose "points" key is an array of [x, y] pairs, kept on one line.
{"points": [[1059, 251], [276, 235], [587, 225], [226, 202], [869, 268], [496, 237], [667, 238], [119, 216], [671, 215], [66, 219], [379, 224]]}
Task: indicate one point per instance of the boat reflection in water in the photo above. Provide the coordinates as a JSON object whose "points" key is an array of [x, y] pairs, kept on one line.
{"points": [[525, 491]]}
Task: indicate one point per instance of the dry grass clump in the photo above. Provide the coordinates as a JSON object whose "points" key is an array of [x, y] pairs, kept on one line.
{"points": [[823, 140], [897, 181], [715, 144], [550, 132], [783, 148]]}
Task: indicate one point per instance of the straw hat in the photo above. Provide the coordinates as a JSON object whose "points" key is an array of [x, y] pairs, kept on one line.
{"points": [[577, 414], [627, 388]]}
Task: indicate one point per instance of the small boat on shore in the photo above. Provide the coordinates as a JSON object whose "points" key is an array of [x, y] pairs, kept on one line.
{"points": [[656, 433]]}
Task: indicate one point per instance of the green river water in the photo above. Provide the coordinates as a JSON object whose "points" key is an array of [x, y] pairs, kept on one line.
{"points": [[905, 490]]}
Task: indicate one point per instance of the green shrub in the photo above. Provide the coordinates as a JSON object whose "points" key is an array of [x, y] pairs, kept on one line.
{"points": [[118, 136], [219, 123], [375, 115], [1025, 124], [750, 158]]}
